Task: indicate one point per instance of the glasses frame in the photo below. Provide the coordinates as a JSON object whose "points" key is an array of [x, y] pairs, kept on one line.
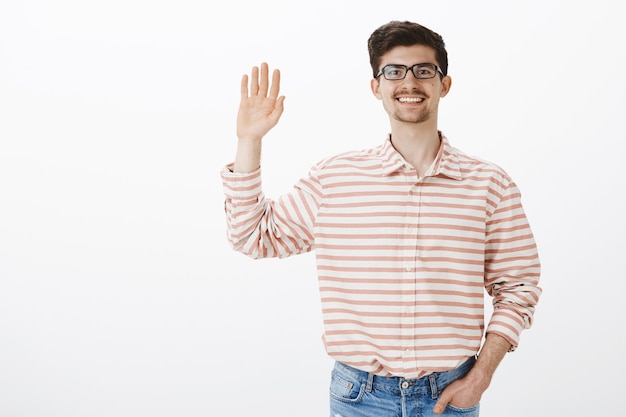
{"points": [[412, 69]]}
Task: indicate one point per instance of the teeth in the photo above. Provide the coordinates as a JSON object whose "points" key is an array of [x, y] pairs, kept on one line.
{"points": [[410, 100]]}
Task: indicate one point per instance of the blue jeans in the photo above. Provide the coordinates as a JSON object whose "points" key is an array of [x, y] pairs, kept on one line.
{"points": [[355, 393]]}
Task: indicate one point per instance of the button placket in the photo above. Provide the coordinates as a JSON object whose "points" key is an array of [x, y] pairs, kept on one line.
{"points": [[411, 231]]}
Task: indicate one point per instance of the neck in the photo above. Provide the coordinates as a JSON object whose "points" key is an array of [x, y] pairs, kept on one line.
{"points": [[419, 147]]}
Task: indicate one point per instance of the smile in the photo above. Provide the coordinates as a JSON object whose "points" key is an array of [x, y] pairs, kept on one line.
{"points": [[410, 99]]}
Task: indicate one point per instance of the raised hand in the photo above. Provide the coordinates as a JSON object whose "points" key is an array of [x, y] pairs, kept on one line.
{"points": [[260, 106]]}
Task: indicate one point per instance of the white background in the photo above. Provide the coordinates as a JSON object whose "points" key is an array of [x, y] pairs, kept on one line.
{"points": [[119, 295]]}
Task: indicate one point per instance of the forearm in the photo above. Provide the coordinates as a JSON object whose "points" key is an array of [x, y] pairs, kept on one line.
{"points": [[493, 351], [264, 228], [248, 156]]}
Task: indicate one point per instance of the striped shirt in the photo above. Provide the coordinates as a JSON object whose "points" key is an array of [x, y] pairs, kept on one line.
{"points": [[403, 262]]}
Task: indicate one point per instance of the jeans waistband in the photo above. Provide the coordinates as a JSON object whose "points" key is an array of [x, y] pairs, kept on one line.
{"points": [[433, 383]]}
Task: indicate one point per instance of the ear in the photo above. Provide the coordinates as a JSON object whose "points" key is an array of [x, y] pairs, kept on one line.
{"points": [[375, 86], [446, 83]]}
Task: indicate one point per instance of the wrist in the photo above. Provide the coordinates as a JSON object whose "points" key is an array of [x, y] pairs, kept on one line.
{"points": [[479, 378], [248, 155]]}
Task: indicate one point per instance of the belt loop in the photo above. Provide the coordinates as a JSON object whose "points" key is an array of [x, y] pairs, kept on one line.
{"points": [[433, 386], [370, 382]]}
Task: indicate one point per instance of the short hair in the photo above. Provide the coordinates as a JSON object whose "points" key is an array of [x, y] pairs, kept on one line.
{"points": [[397, 33]]}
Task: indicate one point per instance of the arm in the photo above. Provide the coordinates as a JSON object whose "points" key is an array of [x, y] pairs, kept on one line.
{"points": [[257, 226], [258, 113], [511, 278]]}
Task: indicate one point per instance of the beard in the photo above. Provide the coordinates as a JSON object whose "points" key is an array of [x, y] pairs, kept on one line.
{"points": [[412, 117]]}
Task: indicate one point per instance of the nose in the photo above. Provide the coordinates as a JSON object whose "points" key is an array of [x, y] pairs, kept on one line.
{"points": [[410, 77], [412, 71]]}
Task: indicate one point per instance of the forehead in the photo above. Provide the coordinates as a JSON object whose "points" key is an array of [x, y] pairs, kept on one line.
{"points": [[409, 55]]}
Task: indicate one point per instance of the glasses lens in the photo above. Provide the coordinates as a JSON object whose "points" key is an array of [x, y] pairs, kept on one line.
{"points": [[425, 70], [394, 72]]}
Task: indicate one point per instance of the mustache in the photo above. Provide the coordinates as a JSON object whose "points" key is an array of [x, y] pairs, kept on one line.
{"points": [[413, 91]]}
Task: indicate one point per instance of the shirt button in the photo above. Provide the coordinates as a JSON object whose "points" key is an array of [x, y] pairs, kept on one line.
{"points": [[405, 385]]}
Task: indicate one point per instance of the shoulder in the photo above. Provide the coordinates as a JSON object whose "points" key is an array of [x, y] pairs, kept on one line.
{"points": [[353, 159], [475, 166]]}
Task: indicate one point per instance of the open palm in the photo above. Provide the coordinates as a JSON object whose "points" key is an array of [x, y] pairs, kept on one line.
{"points": [[260, 106]]}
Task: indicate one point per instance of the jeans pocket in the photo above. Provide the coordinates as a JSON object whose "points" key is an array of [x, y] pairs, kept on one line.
{"points": [[463, 411], [345, 390]]}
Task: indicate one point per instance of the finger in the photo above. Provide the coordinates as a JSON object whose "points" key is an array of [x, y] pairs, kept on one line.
{"points": [[244, 86], [275, 88], [254, 81], [279, 107], [263, 85]]}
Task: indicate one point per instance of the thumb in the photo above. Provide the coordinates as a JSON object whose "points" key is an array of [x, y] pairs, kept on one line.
{"points": [[441, 405]]}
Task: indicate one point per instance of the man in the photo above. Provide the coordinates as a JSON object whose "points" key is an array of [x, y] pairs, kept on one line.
{"points": [[407, 236]]}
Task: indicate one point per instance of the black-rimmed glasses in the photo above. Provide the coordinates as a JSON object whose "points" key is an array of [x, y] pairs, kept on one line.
{"points": [[420, 71]]}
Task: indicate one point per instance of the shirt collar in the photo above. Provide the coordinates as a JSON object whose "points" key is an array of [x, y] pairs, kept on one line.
{"points": [[446, 163]]}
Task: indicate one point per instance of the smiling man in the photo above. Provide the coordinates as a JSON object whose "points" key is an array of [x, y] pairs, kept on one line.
{"points": [[408, 238]]}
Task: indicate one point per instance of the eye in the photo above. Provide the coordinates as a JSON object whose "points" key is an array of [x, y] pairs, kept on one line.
{"points": [[394, 71], [426, 70]]}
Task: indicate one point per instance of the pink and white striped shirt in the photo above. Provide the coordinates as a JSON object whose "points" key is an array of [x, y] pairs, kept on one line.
{"points": [[403, 262]]}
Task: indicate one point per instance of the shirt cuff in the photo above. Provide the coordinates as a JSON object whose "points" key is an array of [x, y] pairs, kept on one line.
{"points": [[241, 185], [507, 324]]}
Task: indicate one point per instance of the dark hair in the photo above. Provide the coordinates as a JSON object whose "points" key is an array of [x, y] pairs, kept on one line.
{"points": [[396, 33]]}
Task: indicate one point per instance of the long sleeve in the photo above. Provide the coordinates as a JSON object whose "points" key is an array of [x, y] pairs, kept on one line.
{"points": [[263, 228], [512, 267]]}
